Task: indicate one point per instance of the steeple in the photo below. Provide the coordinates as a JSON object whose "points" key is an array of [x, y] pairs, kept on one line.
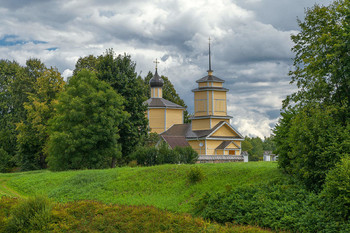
{"points": [[156, 84], [210, 71]]}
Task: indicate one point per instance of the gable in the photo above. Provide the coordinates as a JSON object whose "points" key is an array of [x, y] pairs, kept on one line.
{"points": [[224, 131], [232, 146]]}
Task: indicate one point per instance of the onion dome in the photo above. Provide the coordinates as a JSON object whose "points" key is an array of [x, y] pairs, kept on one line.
{"points": [[156, 81]]}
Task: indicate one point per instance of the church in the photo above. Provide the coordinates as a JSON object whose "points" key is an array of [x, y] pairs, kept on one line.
{"points": [[209, 133]]}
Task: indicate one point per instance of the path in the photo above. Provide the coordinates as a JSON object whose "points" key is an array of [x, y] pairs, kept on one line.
{"points": [[7, 191]]}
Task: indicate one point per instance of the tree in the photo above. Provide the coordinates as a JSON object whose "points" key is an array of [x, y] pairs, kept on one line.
{"points": [[32, 133], [84, 132], [311, 135], [322, 61], [119, 72], [169, 93], [16, 82]]}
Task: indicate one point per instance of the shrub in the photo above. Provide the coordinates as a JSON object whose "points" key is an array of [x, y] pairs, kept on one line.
{"points": [[337, 189], [186, 154], [33, 214], [279, 205], [150, 156], [195, 175]]}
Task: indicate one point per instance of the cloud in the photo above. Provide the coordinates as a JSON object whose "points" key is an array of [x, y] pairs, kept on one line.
{"points": [[250, 44]]}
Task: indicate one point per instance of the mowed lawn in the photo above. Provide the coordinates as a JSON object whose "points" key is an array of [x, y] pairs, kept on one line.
{"points": [[165, 187]]}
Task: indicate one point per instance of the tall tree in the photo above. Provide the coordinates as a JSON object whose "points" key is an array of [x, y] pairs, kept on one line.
{"points": [[169, 93], [16, 82], [32, 133], [84, 131], [322, 60], [313, 133], [119, 72]]}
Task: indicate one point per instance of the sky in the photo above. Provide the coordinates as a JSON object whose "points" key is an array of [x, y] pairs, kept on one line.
{"points": [[250, 44]]}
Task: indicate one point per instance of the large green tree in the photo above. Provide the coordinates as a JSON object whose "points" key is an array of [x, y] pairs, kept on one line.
{"points": [[169, 93], [119, 72], [322, 60], [32, 133], [84, 131], [16, 83], [312, 134]]}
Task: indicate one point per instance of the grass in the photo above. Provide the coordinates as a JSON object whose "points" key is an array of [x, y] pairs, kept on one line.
{"points": [[166, 187], [92, 216]]}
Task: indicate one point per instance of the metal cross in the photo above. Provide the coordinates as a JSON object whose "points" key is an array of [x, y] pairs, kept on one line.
{"points": [[157, 62]]}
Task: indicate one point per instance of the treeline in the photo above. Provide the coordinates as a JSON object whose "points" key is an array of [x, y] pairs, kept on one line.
{"points": [[94, 120], [256, 147]]}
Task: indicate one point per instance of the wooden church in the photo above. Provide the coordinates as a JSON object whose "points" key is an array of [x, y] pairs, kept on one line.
{"points": [[209, 132]]}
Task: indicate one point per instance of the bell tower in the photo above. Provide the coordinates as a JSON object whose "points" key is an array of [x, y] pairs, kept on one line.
{"points": [[210, 105]]}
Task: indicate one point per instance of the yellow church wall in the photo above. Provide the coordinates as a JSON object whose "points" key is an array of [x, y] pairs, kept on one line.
{"points": [[195, 146], [219, 152], [199, 124], [173, 116], [212, 145], [224, 131], [156, 92], [238, 143], [220, 103], [216, 84], [231, 146], [216, 121], [200, 103], [202, 85], [156, 120], [210, 95]]}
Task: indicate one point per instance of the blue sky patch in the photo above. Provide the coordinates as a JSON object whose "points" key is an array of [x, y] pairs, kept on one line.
{"points": [[12, 40], [52, 49]]}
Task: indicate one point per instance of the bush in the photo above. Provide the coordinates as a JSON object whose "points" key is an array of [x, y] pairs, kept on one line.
{"points": [[337, 189], [195, 175], [279, 205], [92, 216], [33, 214], [150, 156], [186, 154]]}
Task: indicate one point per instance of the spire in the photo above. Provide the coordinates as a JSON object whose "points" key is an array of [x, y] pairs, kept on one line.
{"points": [[210, 72]]}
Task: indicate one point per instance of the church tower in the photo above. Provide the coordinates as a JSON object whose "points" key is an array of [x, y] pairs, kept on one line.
{"points": [[210, 132], [161, 113], [210, 105]]}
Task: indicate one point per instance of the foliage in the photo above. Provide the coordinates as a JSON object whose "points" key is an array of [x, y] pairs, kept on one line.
{"points": [[15, 85], [321, 62], [195, 175], [33, 214], [91, 216], [163, 186], [162, 154], [5, 161], [32, 133], [186, 155], [254, 147], [311, 143], [281, 205], [119, 72], [312, 134], [84, 130], [337, 189], [169, 93]]}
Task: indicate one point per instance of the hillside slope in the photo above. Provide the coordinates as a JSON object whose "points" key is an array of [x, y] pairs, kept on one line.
{"points": [[165, 187]]}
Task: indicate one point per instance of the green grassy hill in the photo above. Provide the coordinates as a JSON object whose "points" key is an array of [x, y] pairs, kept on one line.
{"points": [[165, 187]]}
